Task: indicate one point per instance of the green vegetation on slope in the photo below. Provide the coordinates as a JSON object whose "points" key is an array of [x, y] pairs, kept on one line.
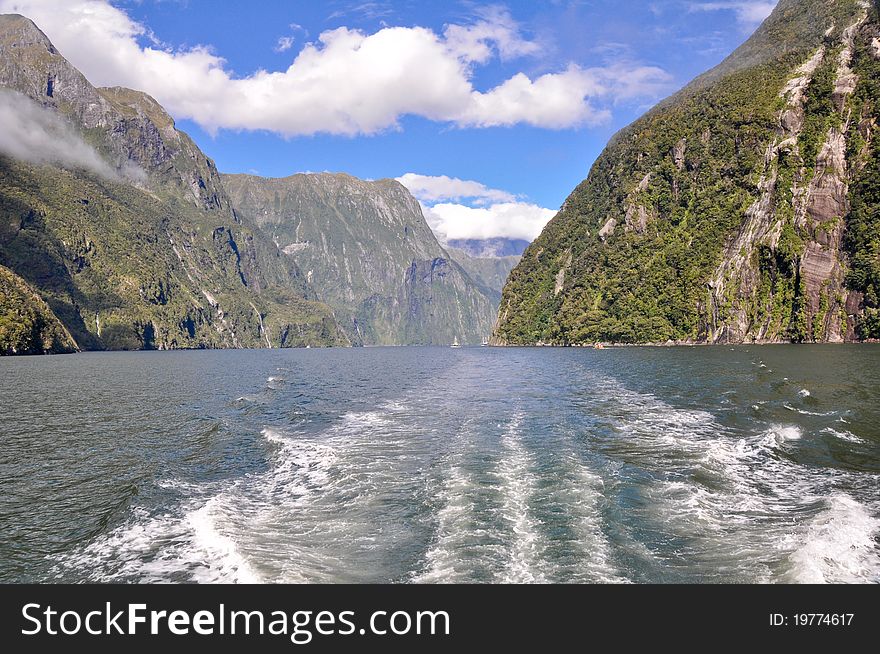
{"points": [[634, 253], [27, 324], [862, 236], [124, 270]]}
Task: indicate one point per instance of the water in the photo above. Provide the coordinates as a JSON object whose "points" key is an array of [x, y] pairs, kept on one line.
{"points": [[751, 464]]}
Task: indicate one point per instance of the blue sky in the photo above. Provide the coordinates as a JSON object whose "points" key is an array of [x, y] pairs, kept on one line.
{"points": [[518, 96]]}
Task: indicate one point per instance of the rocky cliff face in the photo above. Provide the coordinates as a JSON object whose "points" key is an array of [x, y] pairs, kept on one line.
{"points": [[139, 248], [490, 272], [367, 250], [130, 129], [742, 209]]}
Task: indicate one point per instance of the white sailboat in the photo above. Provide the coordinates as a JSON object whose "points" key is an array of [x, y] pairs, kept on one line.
{"points": [[455, 342]]}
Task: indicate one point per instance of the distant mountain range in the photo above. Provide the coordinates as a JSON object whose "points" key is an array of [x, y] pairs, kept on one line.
{"points": [[367, 250], [117, 232], [490, 247], [745, 208]]}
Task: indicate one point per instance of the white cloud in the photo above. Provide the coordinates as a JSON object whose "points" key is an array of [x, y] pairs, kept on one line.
{"points": [[749, 13], [514, 220], [465, 209], [37, 135], [496, 31], [284, 44], [547, 101], [347, 82], [434, 189]]}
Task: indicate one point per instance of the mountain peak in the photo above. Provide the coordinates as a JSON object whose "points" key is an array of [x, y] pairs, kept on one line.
{"points": [[18, 30], [793, 28], [31, 65]]}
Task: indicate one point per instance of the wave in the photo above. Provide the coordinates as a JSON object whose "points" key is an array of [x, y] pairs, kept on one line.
{"points": [[163, 549], [804, 412], [777, 436], [580, 495], [693, 499], [454, 521], [206, 539], [225, 563], [844, 435], [518, 483], [726, 497], [839, 545]]}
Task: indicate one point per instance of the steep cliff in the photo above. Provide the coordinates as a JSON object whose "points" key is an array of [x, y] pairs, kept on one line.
{"points": [[367, 250], [489, 271], [744, 208], [121, 223], [27, 324]]}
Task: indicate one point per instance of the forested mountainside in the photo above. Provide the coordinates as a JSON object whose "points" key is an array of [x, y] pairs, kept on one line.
{"points": [[121, 227], [744, 208], [369, 253], [27, 324]]}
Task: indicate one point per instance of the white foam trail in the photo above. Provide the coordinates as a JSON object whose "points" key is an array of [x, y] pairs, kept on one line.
{"points": [[158, 549], [365, 421], [225, 561], [804, 412], [301, 465], [731, 499], [525, 552], [583, 501], [465, 548], [844, 435], [838, 546], [454, 520], [318, 513], [204, 540]]}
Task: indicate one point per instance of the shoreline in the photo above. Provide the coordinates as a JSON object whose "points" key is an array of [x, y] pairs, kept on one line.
{"points": [[605, 345], [670, 344]]}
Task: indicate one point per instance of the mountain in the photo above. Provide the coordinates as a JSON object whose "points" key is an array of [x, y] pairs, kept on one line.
{"points": [[489, 247], [121, 224], [488, 271], [744, 208], [368, 251]]}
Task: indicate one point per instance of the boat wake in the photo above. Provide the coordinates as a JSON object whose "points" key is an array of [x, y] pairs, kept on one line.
{"points": [[733, 503], [625, 488]]}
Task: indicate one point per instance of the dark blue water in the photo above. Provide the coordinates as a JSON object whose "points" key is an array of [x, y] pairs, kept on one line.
{"points": [[750, 464]]}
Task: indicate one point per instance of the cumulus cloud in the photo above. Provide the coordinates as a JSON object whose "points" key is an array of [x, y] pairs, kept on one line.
{"points": [[465, 209], [436, 188], [345, 82], [514, 220], [749, 13], [37, 135]]}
